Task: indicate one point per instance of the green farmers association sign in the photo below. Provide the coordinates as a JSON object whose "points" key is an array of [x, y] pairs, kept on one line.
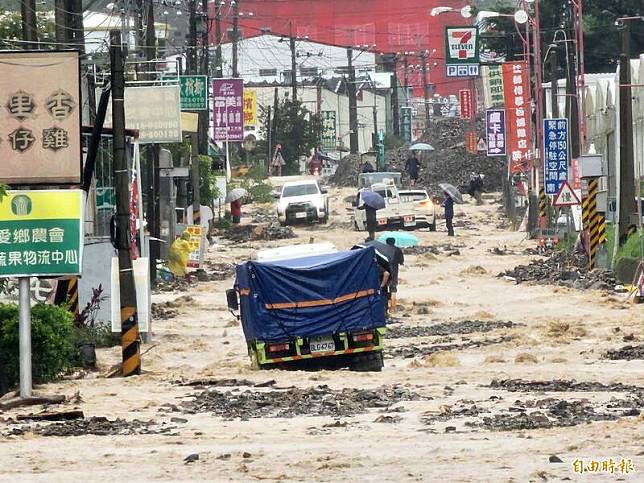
{"points": [[41, 233], [194, 92]]}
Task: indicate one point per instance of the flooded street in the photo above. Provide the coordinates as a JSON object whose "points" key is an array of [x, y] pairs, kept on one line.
{"points": [[484, 380]]}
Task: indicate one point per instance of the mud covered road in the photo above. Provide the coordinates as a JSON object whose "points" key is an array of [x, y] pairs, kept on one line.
{"points": [[484, 380]]}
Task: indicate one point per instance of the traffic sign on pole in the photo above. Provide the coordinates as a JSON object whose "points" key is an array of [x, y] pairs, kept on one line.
{"points": [[566, 196]]}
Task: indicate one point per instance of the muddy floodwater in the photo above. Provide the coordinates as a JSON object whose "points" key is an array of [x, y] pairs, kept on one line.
{"points": [[487, 378]]}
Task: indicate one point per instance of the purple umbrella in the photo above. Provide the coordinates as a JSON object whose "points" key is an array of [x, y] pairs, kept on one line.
{"points": [[373, 200]]}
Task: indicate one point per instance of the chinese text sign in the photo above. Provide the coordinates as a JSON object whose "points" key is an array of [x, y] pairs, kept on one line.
{"points": [[518, 110], [194, 92], [41, 233], [555, 154], [228, 109], [495, 132], [39, 117], [492, 76], [328, 131], [465, 101], [250, 108]]}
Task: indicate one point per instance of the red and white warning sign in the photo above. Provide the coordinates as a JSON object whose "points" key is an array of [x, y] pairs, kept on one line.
{"points": [[566, 196]]}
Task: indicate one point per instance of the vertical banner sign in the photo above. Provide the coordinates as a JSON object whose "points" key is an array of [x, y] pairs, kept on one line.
{"points": [[471, 140], [41, 233], [465, 101], [516, 94], [228, 109], [555, 154], [492, 76], [328, 134], [405, 123], [462, 51], [495, 132], [40, 117], [194, 92], [250, 109]]}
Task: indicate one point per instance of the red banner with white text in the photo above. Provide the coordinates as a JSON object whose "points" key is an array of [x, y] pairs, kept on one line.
{"points": [[516, 95]]}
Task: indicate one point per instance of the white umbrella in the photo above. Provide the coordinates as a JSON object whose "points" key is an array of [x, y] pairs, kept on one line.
{"points": [[452, 191], [421, 147], [236, 194]]}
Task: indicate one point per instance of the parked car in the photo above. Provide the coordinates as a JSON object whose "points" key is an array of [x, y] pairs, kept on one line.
{"points": [[302, 201], [424, 206]]}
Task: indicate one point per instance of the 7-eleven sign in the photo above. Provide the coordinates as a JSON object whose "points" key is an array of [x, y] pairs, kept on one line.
{"points": [[462, 45]]}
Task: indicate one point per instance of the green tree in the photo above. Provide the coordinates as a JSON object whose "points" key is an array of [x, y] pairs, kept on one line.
{"points": [[11, 28], [296, 129]]}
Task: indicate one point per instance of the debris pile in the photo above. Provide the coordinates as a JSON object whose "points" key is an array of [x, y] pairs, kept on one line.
{"points": [[97, 426], [450, 162], [219, 271], [463, 327], [448, 249], [561, 385], [563, 268], [316, 401], [421, 350], [271, 231], [176, 285], [627, 353]]}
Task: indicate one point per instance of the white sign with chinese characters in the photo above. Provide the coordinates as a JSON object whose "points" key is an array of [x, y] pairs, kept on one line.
{"points": [[154, 111], [40, 118]]}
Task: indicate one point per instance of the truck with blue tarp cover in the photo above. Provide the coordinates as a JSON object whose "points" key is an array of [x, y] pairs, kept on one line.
{"points": [[311, 307]]}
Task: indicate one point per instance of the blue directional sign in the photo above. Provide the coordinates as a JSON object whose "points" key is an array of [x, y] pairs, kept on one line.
{"points": [[555, 154]]}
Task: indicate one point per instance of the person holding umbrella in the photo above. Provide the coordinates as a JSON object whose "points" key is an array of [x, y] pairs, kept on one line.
{"points": [[451, 195], [412, 166], [371, 203], [234, 197]]}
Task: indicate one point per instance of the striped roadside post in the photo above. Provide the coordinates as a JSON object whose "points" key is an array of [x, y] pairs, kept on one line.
{"points": [[593, 221], [543, 207]]}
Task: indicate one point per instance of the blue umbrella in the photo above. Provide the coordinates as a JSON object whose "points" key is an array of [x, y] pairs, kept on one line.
{"points": [[402, 239], [421, 147], [373, 200]]}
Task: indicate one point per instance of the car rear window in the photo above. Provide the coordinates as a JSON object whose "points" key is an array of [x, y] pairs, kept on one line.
{"points": [[300, 190]]}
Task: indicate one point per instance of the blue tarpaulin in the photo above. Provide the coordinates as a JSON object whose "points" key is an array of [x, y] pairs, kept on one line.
{"points": [[309, 296]]}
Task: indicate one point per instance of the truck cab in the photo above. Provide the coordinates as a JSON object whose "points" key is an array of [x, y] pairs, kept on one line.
{"points": [[398, 211]]}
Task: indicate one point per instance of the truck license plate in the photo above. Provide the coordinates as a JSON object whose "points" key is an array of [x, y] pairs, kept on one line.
{"points": [[409, 221], [322, 344], [301, 214]]}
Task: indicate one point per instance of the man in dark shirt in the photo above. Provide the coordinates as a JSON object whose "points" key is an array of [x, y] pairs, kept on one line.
{"points": [[412, 166], [448, 204], [399, 259]]}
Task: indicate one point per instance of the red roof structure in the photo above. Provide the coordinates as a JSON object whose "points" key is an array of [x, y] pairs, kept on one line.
{"points": [[385, 26]]}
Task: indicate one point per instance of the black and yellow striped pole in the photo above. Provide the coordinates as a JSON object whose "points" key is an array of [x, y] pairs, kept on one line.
{"points": [[67, 294], [130, 341], [543, 207], [594, 222]]}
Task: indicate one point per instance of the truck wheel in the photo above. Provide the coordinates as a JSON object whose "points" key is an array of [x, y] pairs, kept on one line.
{"points": [[432, 227], [367, 362], [325, 219], [254, 362]]}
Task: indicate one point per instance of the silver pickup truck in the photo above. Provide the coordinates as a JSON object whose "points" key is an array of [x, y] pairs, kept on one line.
{"points": [[398, 212]]}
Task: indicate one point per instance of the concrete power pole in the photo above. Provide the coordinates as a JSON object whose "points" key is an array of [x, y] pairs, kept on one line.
{"points": [[129, 319], [235, 4], [423, 58], [353, 104], [554, 84], [204, 116], [626, 165], [29, 28], [291, 42], [60, 18], [218, 60], [192, 38]]}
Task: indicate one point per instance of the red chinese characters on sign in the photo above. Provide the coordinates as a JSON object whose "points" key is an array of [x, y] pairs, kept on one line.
{"points": [[465, 99], [516, 94]]}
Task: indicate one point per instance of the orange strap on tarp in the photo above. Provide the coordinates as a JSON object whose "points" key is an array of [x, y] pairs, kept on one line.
{"points": [[318, 303]]}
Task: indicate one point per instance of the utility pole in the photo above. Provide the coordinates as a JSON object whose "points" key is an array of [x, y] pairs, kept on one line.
{"points": [[77, 32], [235, 4], [152, 159], [375, 125], [29, 29], [406, 77], [192, 38], [291, 42], [626, 164], [60, 18], [194, 179], [204, 116], [554, 84], [572, 108], [129, 319], [218, 60], [389, 61], [353, 104], [423, 59]]}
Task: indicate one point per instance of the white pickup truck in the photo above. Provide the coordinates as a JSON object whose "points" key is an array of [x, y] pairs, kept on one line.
{"points": [[398, 212], [302, 201]]}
